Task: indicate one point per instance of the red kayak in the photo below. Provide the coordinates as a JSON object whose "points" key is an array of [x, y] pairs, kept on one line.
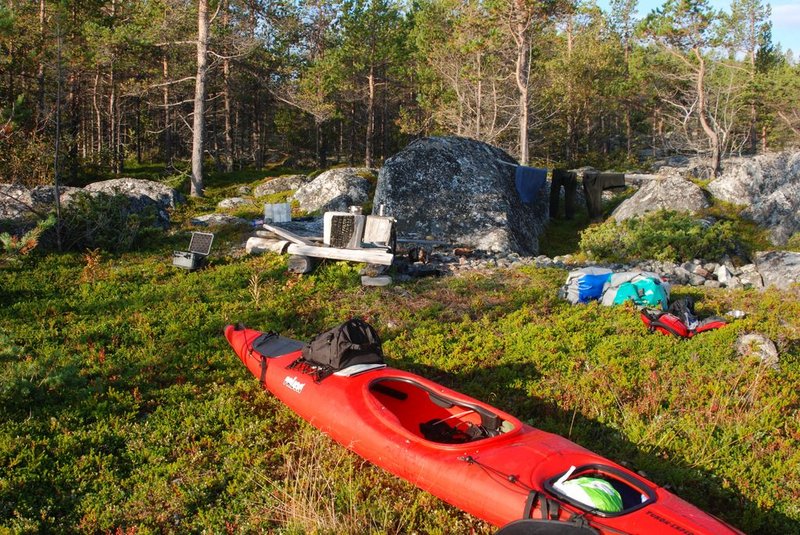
{"points": [[470, 454]]}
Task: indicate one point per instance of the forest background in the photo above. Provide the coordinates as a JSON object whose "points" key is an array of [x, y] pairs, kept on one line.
{"points": [[87, 88]]}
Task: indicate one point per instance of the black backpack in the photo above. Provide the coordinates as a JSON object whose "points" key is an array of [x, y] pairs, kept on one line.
{"points": [[353, 342]]}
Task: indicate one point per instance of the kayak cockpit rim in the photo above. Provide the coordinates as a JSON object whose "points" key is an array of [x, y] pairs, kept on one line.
{"points": [[635, 492], [429, 413]]}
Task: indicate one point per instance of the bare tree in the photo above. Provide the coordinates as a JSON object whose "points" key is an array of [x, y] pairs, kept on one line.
{"points": [[198, 136], [685, 29]]}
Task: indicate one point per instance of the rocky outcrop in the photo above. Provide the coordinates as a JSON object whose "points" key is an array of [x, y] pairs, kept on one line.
{"points": [[769, 186], [334, 190], [20, 205], [667, 192], [141, 195], [161, 194], [461, 191], [778, 268], [282, 183]]}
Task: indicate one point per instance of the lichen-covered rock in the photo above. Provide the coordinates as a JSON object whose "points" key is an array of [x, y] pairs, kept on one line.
{"points": [[334, 190], [759, 346], [461, 191], [780, 269], [233, 202], [19, 204], [282, 183], [668, 192], [769, 186], [15, 202], [163, 195], [217, 220], [141, 194]]}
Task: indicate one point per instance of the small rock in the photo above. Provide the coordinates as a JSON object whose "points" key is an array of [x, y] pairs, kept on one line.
{"points": [[382, 280], [696, 280], [215, 220], [758, 345], [703, 272], [734, 283], [712, 284], [723, 274], [233, 202]]}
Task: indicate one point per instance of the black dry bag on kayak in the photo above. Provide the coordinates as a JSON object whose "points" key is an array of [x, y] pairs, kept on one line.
{"points": [[352, 342]]}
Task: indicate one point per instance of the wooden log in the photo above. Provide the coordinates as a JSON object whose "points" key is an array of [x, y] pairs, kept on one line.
{"points": [[256, 245], [286, 235], [368, 256], [301, 264]]}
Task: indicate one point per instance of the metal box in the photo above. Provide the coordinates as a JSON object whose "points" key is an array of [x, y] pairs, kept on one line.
{"points": [[195, 257], [343, 230]]}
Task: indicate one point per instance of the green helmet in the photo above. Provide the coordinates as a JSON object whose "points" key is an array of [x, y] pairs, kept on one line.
{"points": [[594, 492]]}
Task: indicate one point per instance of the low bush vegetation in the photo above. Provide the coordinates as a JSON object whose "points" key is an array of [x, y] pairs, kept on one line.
{"points": [[104, 221], [663, 235]]}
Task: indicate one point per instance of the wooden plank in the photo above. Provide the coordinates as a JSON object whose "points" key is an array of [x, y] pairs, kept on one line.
{"points": [[286, 235], [369, 256]]}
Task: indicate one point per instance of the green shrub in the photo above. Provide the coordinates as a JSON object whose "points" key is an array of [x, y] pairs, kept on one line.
{"points": [[108, 222], [663, 235], [14, 247], [794, 242]]}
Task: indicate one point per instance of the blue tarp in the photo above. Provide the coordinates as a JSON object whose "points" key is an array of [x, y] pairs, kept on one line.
{"points": [[529, 181]]}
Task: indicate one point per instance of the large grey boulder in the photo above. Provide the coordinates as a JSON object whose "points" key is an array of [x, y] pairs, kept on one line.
{"points": [[334, 190], [19, 204], [161, 194], [667, 192], [461, 191], [780, 269], [141, 194], [16, 202], [769, 186], [282, 183]]}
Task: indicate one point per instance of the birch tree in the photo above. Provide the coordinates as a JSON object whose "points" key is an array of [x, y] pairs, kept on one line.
{"points": [[198, 134]]}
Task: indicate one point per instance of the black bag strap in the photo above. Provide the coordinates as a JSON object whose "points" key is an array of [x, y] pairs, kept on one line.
{"points": [[550, 509]]}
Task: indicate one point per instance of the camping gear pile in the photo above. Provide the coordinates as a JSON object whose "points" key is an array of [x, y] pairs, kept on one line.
{"points": [[645, 290]]}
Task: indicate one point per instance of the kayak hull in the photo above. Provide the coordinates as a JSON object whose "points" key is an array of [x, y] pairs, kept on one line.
{"points": [[504, 475]]}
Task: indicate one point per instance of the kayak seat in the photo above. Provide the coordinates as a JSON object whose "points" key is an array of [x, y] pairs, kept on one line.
{"points": [[433, 416]]}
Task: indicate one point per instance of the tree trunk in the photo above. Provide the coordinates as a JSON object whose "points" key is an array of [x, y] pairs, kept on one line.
{"points": [[478, 98], [370, 116], [40, 69], [112, 120], [226, 98], [226, 71], [199, 99], [713, 136], [522, 75], [165, 102]]}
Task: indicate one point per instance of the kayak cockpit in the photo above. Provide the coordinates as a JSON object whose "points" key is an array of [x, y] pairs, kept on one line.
{"points": [[435, 417]]}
